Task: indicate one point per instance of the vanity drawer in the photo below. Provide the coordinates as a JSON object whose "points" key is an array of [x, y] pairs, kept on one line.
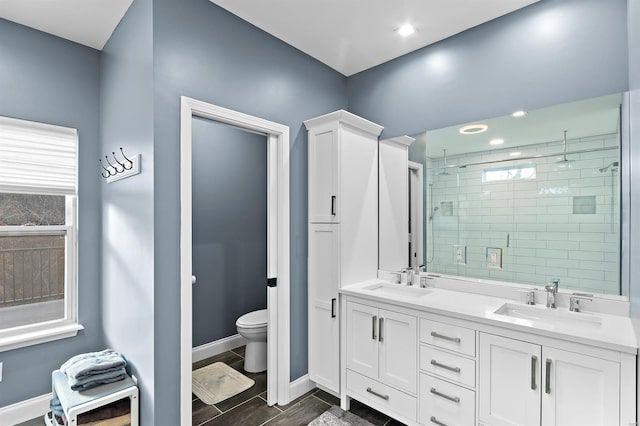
{"points": [[448, 365], [448, 336], [379, 395], [443, 403]]}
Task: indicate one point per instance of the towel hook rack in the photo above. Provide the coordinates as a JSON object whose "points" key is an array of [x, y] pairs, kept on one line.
{"points": [[122, 169]]}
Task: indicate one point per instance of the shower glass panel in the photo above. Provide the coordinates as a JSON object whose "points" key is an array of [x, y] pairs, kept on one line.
{"points": [[526, 212]]}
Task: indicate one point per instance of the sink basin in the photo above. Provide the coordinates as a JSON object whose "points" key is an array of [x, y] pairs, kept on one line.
{"points": [[397, 290], [556, 316]]}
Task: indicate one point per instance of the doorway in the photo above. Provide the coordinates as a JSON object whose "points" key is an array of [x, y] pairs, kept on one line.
{"points": [[416, 215], [276, 281]]}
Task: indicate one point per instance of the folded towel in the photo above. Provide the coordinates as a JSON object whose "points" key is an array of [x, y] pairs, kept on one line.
{"points": [[56, 407], [97, 380], [86, 365]]}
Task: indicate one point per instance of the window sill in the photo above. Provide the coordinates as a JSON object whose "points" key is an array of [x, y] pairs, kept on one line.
{"points": [[42, 335]]}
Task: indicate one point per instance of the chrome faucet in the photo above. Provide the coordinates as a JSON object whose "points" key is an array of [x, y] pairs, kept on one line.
{"points": [[552, 291], [574, 303]]}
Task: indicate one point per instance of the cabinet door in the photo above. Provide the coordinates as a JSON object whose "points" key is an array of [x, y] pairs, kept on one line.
{"points": [[509, 390], [324, 337], [398, 337], [362, 339], [324, 174], [579, 389]]}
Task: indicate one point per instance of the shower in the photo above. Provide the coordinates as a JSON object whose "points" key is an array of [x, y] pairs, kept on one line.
{"points": [[613, 167]]}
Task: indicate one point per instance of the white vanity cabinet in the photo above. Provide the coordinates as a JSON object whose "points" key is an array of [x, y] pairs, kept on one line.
{"points": [[343, 228], [381, 358], [526, 384]]}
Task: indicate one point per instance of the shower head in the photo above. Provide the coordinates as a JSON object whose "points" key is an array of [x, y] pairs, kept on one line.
{"points": [[613, 167], [444, 171], [433, 212], [564, 158]]}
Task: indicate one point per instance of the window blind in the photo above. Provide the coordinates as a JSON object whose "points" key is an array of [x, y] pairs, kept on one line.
{"points": [[37, 158]]}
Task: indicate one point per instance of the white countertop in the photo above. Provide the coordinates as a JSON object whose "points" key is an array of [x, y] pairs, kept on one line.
{"points": [[613, 332]]}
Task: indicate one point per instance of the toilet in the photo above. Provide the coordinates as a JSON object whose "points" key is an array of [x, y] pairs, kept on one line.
{"points": [[253, 327]]}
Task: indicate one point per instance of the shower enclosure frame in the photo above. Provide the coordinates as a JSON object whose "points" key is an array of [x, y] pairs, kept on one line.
{"points": [[278, 258]]}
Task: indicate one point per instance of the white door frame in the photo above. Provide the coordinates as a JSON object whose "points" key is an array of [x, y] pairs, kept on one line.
{"points": [[417, 219], [277, 137]]}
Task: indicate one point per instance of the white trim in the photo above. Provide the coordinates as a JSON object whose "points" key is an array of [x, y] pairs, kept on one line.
{"points": [[25, 410], [39, 333], [219, 346], [279, 206], [300, 386]]}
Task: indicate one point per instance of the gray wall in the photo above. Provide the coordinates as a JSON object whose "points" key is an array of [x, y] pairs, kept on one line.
{"points": [[127, 205], [633, 22], [47, 79], [229, 227], [551, 52], [206, 53]]}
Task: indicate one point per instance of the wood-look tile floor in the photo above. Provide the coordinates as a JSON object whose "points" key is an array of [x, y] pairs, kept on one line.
{"points": [[250, 408]]}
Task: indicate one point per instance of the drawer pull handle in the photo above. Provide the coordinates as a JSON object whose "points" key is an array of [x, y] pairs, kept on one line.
{"points": [[333, 205], [333, 307], [442, 336], [547, 385], [374, 319], [380, 329], [446, 367], [534, 363], [436, 421], [445, 396], [379, 395]]}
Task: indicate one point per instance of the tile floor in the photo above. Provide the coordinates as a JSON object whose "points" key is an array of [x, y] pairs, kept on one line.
{"points": [[250, 408]]}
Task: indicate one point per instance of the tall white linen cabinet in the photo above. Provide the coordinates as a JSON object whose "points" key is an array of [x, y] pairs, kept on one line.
{"points": [[343, 228]]}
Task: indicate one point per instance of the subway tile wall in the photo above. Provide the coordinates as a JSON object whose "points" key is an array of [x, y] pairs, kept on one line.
{"points": [[542, 234]]}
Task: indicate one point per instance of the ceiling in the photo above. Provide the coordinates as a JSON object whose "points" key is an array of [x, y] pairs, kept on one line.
{"points": [[353, 35], [88, 22], [597, 116], [348, 36]]}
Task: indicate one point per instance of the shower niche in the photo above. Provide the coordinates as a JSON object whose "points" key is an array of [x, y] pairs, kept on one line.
{"points": [[539, 192]]}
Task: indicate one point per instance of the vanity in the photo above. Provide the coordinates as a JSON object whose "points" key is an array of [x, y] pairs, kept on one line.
{"points": [[435, 356], [477, 339]]}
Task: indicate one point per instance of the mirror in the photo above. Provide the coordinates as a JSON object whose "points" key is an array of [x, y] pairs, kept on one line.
{"points": [[527, 198]]}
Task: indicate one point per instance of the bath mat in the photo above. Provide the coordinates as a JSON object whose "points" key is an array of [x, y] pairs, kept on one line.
{"points": [[217, 382], [335, 416]]}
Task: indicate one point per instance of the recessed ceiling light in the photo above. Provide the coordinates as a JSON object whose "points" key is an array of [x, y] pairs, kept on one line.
{"points": [[519, 114], [515, 154], [406, 30], [472, 129], [496, 141]]}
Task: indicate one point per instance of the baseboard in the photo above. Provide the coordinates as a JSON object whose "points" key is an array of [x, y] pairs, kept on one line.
{"points": [[300, 386], [25, 410], [219, 346]]}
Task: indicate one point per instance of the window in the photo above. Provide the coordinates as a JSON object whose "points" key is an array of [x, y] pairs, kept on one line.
{"points": [[38, 222], [525, 171]]}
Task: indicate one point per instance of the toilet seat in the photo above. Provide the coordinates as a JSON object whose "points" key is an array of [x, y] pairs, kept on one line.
{"points": [[255, 319]]}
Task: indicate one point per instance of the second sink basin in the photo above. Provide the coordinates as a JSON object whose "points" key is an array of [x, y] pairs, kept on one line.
{"points": [[397, 290], [549, 316]]}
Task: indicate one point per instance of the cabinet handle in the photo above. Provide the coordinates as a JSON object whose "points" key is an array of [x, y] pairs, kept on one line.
{"points": [[437, 422], [547, 385], [333, 205], [446, 367], [333, 307], [445, 396], [534, 364], [379, 395], [380, 329], [374, 319], [442, 336]]}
